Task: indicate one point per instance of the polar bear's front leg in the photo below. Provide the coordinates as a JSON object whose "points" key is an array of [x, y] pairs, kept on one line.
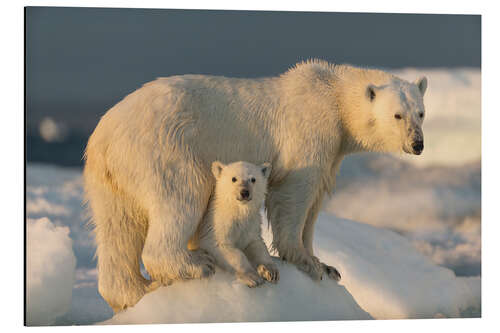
{"points": [[308, 233], [287, 207]]}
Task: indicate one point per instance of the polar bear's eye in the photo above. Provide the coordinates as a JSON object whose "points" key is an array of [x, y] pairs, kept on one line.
{"points": [[234, 179], [421, 114], [252, 180], [397, 116]]}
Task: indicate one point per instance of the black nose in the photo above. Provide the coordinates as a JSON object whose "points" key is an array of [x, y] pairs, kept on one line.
{"points": [[245, 194], [418, 146]]}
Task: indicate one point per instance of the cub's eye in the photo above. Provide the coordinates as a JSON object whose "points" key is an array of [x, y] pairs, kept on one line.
{"points": [[234, 179], [252, 180], [397, 116], [421, 114]]}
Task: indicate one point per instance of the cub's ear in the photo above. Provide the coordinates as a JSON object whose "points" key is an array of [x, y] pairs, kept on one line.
{"points": [[422, 84], [217, 168], [266, 169], [371, 92]]}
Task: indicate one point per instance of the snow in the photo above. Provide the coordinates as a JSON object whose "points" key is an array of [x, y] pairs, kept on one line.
{"points": [[50, 271], [388, 277], [416, 254], [382, 274], [382, 271], [223, 299], [56, 193], [437, 207]]}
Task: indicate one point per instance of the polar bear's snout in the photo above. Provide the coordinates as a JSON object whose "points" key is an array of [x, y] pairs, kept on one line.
{"points": [[415, 145], [245, 194], [417, 141], [418, 146]]}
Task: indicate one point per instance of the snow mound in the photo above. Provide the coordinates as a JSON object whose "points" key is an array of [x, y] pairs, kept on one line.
{"points": [[381, 271], [222, 299], [49, 273], [388, 277], [437, 208]]}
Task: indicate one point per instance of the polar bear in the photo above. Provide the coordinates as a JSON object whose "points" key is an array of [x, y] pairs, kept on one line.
{"points": [[147, 173], [231, 228]]}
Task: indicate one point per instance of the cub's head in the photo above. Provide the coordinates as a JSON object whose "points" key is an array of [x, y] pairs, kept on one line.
{"points": [[241, 182], [391, 116]]}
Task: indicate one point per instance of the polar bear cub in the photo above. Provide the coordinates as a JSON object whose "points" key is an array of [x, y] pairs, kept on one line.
{"points": [[231, 228]]}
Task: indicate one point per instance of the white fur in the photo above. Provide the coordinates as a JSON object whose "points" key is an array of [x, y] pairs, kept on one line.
{"points": [[147, 173], [231, 229]]}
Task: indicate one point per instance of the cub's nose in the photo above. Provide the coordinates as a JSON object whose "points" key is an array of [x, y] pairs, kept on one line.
{"points": [[245, 194], [418, 146]]}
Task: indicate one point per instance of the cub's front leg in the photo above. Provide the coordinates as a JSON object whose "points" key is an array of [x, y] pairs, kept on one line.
{"points": [[258, 255], [234, 260]]}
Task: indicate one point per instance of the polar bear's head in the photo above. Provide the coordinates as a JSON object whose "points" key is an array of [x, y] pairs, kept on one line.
{"points": [[390, 115], [241, 182]]}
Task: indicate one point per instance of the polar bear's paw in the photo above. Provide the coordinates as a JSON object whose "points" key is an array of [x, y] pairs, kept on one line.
{"points": [[311, 266], [153, 285], [251, 279], [331, 272], [124, 298], [182, 265], [269, 272], [306, 263], [202, 265]]}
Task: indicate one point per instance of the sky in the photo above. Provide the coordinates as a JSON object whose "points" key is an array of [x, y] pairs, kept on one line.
{"points": [[82, 61]]}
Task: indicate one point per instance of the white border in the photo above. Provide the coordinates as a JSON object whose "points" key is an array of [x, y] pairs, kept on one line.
{"points": [[12, 89], [421, 6]]}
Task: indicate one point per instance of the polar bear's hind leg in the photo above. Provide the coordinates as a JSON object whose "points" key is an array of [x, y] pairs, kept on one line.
{"points": [[174, 214], [120, 237]]}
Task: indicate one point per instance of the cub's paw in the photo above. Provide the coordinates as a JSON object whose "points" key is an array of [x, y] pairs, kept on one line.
{"points": [[251, 279], [269, 272]]}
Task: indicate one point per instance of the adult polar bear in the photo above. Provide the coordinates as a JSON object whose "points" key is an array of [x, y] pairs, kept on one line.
{"points": [[147, 173]]}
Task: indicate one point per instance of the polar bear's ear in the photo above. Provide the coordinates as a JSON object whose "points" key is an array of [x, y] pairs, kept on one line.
{"points": [[266, 169], [217, 168], [422, 84]]}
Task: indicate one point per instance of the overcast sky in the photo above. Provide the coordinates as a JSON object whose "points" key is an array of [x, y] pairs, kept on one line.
{"points": [[81, 61]]}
